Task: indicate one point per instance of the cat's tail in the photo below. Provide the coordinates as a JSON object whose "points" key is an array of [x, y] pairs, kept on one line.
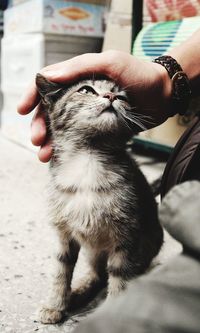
{"points": [[151, 245], [156, 186]]}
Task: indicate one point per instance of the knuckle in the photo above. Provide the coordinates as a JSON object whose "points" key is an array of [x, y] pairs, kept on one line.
{"points": [[113, 61]]}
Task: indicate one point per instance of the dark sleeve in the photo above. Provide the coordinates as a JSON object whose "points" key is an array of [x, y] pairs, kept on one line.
{"points": [[184, 162]]}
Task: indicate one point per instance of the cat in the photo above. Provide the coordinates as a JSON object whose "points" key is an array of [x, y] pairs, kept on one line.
{"points": [[99, 201]]}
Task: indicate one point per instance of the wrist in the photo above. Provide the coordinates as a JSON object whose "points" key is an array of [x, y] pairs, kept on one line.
{"points": [[166, 88], [166, 82], [180, 85]]}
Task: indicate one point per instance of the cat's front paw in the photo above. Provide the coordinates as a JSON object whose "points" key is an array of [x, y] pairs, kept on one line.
{"points": [[50, 316]]}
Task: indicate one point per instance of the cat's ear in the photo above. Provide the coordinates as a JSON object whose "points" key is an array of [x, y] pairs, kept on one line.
{"points": [[48, 90]]}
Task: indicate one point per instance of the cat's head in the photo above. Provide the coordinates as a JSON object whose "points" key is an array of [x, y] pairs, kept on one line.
{"points": [[89, 107]]}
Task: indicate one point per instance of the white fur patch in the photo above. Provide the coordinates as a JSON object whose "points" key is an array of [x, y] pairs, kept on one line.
{"points": [[116, 260], [81, 170], [81, 202], [115, 285]]}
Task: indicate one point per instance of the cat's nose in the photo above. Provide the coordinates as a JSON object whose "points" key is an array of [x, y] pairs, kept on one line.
{"points": [[110, 96]]}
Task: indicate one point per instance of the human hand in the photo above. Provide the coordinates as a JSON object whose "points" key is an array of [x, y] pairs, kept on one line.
{"points": [[147, 84]]}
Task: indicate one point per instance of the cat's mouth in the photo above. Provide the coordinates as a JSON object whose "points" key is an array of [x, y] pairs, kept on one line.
{"points": [[109, 109]]}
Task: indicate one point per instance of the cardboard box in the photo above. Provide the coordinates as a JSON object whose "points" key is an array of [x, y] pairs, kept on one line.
{"points": [[56, 17], [96, 2], [118, 33], [119, 26], [119, 6], [23, 55]]}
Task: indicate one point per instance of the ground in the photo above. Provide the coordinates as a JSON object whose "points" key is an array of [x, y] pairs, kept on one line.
{"points": [[26, 240]]}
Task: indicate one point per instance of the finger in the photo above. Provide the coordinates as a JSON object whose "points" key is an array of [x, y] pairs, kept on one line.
{"points": [[29, 101], [77, 67], [45, 152], [66, 71], [38, 127], [61, 72]]}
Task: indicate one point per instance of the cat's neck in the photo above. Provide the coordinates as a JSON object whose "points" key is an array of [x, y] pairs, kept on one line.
{"points": [[103, 144], [103, 153]]}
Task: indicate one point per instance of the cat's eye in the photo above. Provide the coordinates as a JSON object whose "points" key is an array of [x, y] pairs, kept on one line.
{"points": [[122, 98], [87, 90]]}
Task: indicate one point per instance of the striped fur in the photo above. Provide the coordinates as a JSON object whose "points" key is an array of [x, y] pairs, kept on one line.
{"points": [[99, 199]]}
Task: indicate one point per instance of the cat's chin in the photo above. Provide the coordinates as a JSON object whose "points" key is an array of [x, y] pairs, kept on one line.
{"points": [[107, 121], [109, 110], [108, 117]]}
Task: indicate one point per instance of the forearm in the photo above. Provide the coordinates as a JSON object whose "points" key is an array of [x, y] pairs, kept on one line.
{"points": [[188, 56]]}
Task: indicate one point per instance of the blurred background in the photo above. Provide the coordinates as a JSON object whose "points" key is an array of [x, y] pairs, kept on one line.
{"points": [[34, 34]]}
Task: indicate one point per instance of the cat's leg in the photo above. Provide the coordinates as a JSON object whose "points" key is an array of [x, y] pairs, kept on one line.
{"points": [[124, 263], [61, 289], [85, 287], [130, 258], [117, 272]]}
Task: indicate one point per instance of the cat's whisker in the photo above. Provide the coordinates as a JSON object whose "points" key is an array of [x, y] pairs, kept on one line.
{"points": [[145, 118], [144, 121], [137, 122], [139, 114], [132, 119], [124, 121]]}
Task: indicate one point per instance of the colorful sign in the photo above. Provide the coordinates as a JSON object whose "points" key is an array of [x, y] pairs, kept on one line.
{"points": [[158, 38], [169, 10], [58, 17]]}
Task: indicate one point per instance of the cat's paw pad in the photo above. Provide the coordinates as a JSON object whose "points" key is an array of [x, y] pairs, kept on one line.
{"points": [[50, 316]]}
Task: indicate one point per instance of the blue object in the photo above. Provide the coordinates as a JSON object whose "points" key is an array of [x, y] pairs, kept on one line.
{"points": [[158, 38]]}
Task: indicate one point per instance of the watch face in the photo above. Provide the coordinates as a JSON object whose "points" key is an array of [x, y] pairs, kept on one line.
{"points": [[178, 75], [181, 89]]}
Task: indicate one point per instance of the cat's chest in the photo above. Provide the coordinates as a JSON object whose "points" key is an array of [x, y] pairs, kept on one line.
{"points": [[86, 214], [83, 172], [85, 192]]}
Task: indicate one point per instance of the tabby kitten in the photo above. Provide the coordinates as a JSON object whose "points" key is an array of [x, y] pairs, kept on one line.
{"points": [[99, 199]]}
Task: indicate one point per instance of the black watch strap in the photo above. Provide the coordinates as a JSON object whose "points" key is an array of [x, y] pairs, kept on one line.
{"points": [[181, 92]]}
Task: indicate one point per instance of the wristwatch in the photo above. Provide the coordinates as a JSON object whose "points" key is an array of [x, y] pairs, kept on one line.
{"points": [[181, 91]]}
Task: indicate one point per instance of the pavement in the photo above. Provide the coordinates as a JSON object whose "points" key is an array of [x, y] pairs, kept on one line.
{"points": [[26, 240]]}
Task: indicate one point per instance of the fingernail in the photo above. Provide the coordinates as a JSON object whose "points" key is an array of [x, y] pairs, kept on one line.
{"points": [[52, 74], [48, 73]]}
